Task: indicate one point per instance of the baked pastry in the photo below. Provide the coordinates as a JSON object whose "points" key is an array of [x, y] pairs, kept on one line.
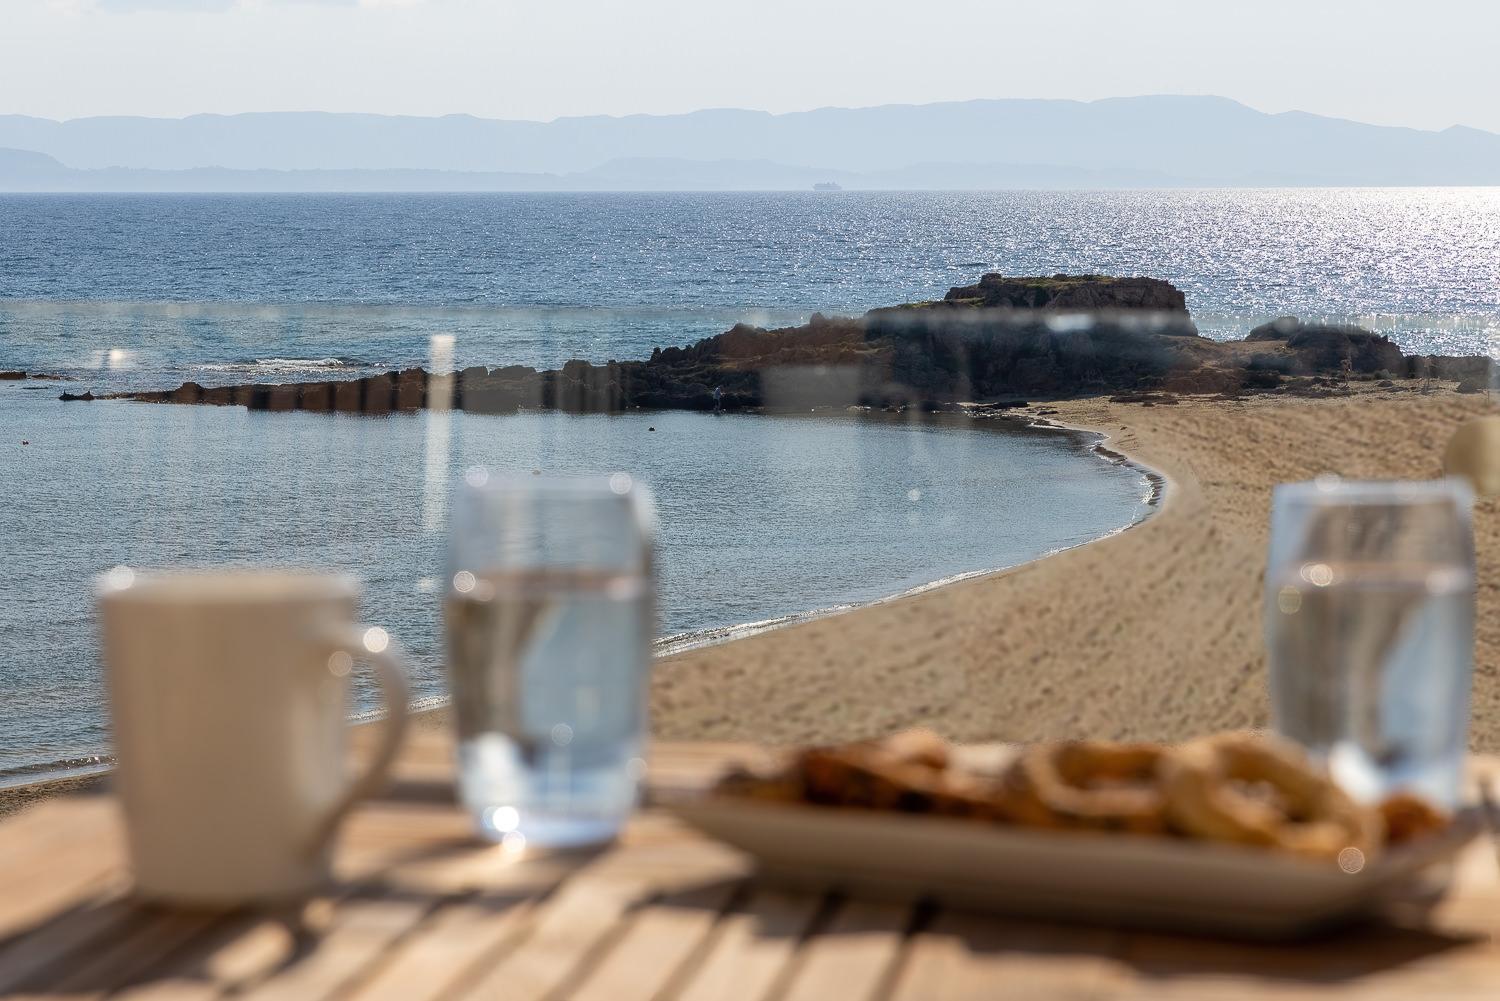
{"points": [[1088, 783], [1408, 816], [907, 771], [1243, 788], [1260, 790]]}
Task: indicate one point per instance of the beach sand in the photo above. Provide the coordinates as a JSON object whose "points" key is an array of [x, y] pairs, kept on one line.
{"points": [[1152, 633], [15, 798]]}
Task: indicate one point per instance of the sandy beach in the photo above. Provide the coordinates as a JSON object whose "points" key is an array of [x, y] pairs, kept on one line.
{"points": [[1154, 632], [1151, 633]]}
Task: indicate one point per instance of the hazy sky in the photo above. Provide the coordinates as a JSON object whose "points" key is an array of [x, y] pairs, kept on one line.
{"points": [[1428, 64]]}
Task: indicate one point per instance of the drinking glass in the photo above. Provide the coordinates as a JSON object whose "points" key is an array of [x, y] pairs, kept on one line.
{"points": [[550, 614], [1370, 630]]}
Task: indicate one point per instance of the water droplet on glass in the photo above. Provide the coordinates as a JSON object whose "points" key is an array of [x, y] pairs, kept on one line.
{"points": [[1317, 574], [1289, 600]]}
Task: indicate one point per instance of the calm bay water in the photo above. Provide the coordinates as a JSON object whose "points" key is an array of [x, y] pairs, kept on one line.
{"points": [[762, 517]]}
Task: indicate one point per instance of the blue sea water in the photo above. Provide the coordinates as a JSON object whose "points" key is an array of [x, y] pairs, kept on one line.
{"points": [[762, 517], [148, 289]]}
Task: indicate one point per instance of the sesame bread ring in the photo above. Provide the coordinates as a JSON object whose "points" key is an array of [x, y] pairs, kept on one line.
{"points": [[1088, 784], [897, 773], [1409, 817], [907, 771], [1259, 790]]}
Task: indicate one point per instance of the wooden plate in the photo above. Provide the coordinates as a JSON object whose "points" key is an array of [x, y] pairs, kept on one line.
{"points": [[1107, 878]]}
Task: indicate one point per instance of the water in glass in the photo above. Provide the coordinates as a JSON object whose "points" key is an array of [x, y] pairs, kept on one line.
{"points": [[1369, 623], [549, 618]]}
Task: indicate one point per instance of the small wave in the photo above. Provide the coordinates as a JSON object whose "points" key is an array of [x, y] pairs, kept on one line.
{"points": [[304, 362], [422, 704], [52, 770], [283, 365]]}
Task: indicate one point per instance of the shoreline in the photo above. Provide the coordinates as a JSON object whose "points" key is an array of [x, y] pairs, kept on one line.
{"points": [[429, 709], [1151, 634], [733, 637], [1159, 482]]}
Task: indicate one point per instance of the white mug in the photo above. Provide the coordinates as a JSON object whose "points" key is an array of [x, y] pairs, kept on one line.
{"points": [[228, 699]]}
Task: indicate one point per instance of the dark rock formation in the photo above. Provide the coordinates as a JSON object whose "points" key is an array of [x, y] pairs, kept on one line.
{"points": [[1325, 348], [5, 376], [1069, 292], [86, 396], [976, 346], [1477, 370], [1320, 347]]}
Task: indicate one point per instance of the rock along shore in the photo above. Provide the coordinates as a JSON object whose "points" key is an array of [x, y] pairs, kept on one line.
{"points": [[1000, 341]]}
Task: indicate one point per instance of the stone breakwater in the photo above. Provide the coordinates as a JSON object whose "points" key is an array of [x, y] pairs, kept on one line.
{"points": [[1000, 341]]}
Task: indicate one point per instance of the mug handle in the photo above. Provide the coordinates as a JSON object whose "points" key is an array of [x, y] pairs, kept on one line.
{"points": [[391, 673]]}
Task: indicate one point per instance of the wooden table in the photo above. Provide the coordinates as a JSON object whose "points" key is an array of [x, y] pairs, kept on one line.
{"points": [[422, 911]]}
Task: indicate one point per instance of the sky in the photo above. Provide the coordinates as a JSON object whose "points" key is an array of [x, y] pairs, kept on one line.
{"points": [[1426, 64]]}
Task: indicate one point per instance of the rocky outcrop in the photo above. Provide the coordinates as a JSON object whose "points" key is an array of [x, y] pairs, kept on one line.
{"points": [[1474, 371], [1320, 347], [1069, 292], [7, 376], [979, 348]]}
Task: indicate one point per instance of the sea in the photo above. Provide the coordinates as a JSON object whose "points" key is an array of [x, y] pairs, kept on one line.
{"points": [[764, 519]]}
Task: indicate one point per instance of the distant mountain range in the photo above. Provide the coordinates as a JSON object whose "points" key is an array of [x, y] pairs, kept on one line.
{"points": [[1120, 142]]}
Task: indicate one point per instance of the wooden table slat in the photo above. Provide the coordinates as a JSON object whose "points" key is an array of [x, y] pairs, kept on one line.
{"points": [[854, 956], [241, 950], [440, 958], [143, 943], [753, 947], [362, 931], [570, 927], [963, 956], [56, 855], [649, 957], [30, 958]]}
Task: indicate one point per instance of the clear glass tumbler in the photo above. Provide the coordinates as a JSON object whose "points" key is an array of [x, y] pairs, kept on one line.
{"points": [[1370, 630], [550, 613]]}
